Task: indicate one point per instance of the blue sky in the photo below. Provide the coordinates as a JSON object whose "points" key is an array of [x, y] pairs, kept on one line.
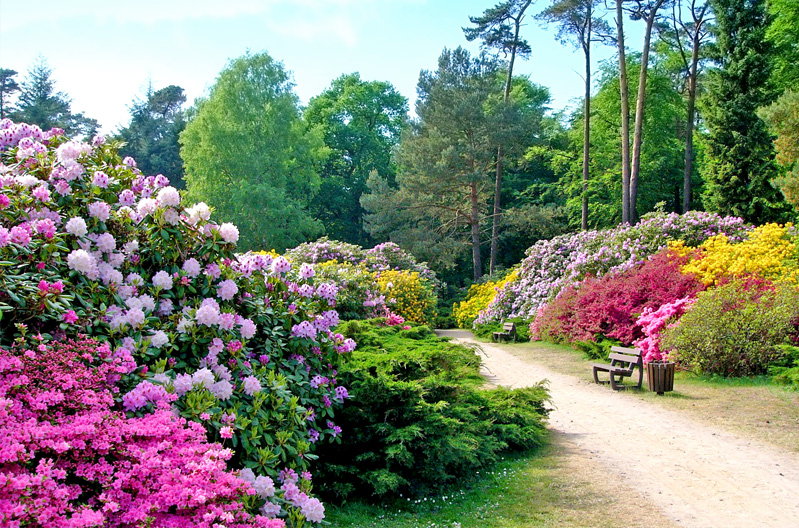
{"points": [[103, 52]]}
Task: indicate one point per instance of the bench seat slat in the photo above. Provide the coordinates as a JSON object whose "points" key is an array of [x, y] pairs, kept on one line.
{"points": [[624, 357]]}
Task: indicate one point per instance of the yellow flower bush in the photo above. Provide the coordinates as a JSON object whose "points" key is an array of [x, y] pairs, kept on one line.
{"points": [[770, 252], [478, 297], [408, 295]]}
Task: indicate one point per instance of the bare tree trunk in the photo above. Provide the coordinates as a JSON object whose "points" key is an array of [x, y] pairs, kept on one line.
{"points": [[689, 129], [624, 90], [474, 220], [500, 155], [639, 111], [587, 122]]}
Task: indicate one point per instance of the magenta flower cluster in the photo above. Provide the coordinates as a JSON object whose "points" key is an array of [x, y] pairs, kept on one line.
{"points": [[68, 458]]}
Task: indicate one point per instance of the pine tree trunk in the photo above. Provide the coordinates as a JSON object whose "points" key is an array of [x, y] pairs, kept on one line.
{"points": [[625, 117], [639, 112], [475, 223], [587, 123], [689, 129]]}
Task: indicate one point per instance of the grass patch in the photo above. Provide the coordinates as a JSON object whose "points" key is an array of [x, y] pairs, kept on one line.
{"points": [[556, 487], [754, 407]]}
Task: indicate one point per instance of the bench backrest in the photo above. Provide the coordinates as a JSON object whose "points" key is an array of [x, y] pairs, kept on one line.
{"points": [[509, 328], [626, 357]]}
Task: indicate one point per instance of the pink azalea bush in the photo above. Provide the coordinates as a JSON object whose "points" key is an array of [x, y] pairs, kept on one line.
{"points": [[69, 458], [654, 322], [230, 341], [609, 306]]}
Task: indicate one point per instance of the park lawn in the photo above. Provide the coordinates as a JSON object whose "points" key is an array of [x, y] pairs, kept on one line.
{"points": [[753, 407], [555, 487]]}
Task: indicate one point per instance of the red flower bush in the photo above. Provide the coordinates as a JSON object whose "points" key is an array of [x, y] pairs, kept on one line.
{"points": [[67, 458], [609, 306]]}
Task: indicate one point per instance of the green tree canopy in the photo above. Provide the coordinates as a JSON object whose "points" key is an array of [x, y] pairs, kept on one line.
{"points": [[783, 34], [445, 159], [248, 154], [782, 118], [151, 138], [361, 122]]}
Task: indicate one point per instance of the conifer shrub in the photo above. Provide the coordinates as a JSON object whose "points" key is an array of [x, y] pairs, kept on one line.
{"points": [[419, 418]]}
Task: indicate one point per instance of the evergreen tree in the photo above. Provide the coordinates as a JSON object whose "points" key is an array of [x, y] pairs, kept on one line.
{"points": [[8, 85], [151, 138], [499, 29], [40, 104], [740, 158]]}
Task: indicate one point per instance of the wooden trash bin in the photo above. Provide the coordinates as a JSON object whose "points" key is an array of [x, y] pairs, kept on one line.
{"points": [[660, 375]]}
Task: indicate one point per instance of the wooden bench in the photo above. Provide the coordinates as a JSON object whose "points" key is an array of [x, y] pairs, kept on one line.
{"points": [[623, 362], [508, 332]]}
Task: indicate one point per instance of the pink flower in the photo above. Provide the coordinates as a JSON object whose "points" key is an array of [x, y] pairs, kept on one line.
{"points": [[70, 317], [100, 179], [227, 289], [100, 211], [21, 234], [41, 193], [226, 432], [229, 233]]}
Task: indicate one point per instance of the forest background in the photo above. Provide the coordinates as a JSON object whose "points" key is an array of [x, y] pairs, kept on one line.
{"points": [[485, 165]]}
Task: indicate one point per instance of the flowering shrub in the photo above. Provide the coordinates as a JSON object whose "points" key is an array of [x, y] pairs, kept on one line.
{"points": [[735, 329], [356, 273], [324, 250], [408, 295], [241, 344], [609, 306], [770, 251], [654, 322], [359, 295], [551, 265], [478, 298], [389, 256], [67, 458]]}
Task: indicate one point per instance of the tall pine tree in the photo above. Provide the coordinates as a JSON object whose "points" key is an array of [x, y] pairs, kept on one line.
{"points": [[740, 162]]}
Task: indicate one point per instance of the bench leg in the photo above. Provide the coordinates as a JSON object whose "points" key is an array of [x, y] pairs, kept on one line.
{"points": [[613, 382]]}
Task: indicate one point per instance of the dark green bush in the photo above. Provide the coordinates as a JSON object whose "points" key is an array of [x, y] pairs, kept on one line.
{"points": [[786, 371], [487, 330], [419, 418], [735, 329]]}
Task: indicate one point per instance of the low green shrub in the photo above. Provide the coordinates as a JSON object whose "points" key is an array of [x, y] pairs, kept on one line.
{"points": [[419, 418], [599, 349], [735, 329], [487, 330], [786, 371]]}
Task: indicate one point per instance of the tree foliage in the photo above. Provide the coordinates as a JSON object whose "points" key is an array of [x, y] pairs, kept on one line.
{"points": [[740, 164], [40, 104], [152, 135], [8, 86], [248, 154], [782, 118], [361, 122]]}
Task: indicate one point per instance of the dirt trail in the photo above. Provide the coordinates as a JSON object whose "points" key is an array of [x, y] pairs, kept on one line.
{"points": [[698, 476]]}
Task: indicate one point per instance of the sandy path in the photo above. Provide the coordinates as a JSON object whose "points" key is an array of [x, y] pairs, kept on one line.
{"points": [[698, 476]]}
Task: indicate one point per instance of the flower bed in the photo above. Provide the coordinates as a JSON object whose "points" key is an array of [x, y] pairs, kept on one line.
{"points": [[241, 345]]}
